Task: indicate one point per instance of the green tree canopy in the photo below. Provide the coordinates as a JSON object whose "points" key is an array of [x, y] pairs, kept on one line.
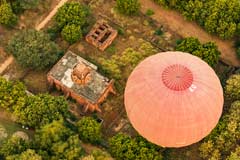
{"points": [[124, 147], [26, 155], [33, 49], [207, 52], [13, 145], [71, 13], [71, 33], [128, 7], [41, 109], [232, 88], [7, 17], [11, 94], [50, 134], [89, 130]]}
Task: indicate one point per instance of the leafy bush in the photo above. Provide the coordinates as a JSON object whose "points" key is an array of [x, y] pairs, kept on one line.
{"points": [[71, 13], [158, 32], [232, 88], [234, 155], [149, 12], [207, 52], [89, 130], [41, 110], [19, 6], [11, 94], [71, 33], [71, 18], [50, 134], [13, 145], [127, 148], [7, 17], [26, 155], [128, 7], [33, 49]]}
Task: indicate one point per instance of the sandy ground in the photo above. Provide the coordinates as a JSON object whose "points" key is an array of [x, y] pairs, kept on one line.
{"points": [[175, 22]]}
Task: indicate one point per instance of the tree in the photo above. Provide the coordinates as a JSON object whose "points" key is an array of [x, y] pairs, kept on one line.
{"points": [[89, 130], [41, 109], [19, 6], [71, 33], [232, 88], [124, 147], [11, 94], [128, 7], [26, 155], [71, 13], [33, 49], [13, 145], [50, 134], [69, 150], [189, 45], [235, 155], [207, 52], [7, 17]]}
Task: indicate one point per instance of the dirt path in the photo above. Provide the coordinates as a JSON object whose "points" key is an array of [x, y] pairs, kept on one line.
{"points": [[6, 63], [175, 22], [50, 15]]}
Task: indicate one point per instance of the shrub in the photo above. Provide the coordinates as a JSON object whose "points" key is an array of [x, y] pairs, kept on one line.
{"points": [[71, 13], [128, 7], [89, 130], [232, 88], [124, 147], [26, 155], [7, 17], [207, 52], [13, 145], [19, 6], [158, 32], [41, 110], [149, 12], [71, 33], [33, 49], [11, 94]]}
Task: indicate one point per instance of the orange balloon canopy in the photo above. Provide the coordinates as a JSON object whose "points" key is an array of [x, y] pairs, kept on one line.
{"points": [[173, 99]]}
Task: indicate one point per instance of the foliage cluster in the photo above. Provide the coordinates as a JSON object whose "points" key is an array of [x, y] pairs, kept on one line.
{"points": [[11, 94], [224, 137], [89, 130], [71, 18], [33, 111], [7, 17], [207, 52], [41, 109], [33, 49], [232, 88], [128, 7], [127, 148], [53, 141], [221, 17], [126, 61]]}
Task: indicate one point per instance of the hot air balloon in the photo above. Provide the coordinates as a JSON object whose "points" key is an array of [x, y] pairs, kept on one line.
{"points": [[173, 99]]}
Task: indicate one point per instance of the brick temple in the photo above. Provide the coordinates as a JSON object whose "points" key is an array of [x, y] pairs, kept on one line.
{"points": [[79, 79]]}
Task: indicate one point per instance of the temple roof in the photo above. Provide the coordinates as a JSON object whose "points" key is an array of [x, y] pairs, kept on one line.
{"points": [[62, 72]]}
